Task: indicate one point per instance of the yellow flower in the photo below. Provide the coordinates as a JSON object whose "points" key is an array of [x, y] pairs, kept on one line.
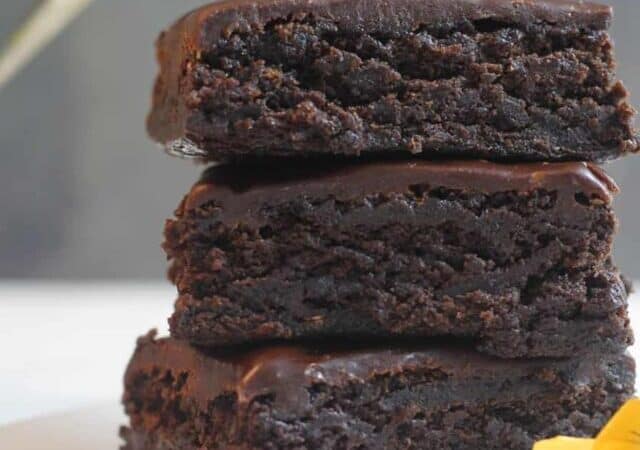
{"points": [[621, 433]]}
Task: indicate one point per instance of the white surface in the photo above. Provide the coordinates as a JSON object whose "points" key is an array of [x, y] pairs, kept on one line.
{"points": [[65, 346], [92, 428]]}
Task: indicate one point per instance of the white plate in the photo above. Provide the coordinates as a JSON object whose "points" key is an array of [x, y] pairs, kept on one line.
{"points": [[94, 428]]}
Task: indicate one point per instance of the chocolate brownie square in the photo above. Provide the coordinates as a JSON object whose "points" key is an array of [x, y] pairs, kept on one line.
{"points": [[389, 397], [493, 79], [512, 257]]}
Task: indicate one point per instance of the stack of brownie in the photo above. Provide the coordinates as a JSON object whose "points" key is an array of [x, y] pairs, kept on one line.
{"points": [[406, 243]]}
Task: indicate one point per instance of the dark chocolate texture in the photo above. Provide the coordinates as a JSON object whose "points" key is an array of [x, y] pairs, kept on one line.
{"points": [[513, 257], [388, 397], [502, 80]]}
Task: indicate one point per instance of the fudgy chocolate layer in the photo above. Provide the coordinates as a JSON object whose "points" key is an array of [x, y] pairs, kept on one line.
{"points": [[514, 257], [500, 79], [410, 397]]}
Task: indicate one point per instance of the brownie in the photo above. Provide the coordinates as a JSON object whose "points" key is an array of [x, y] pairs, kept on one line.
{"points": [[493, 79], [515, 257], [388, 397]]}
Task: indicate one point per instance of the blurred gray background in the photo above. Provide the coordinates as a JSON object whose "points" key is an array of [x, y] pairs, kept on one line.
{"points": [[84, 193]]}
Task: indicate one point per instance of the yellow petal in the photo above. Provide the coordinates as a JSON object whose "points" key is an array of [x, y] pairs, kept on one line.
{"points": [[623, 431], [565, 443], [619, 445]]}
